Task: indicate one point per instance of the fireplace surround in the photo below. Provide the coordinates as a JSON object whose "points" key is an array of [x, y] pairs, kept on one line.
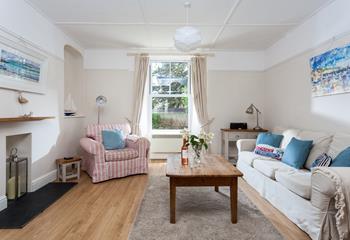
{"points": [[23, 142]]}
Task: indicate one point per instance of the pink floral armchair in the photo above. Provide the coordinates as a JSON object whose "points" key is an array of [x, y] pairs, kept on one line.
{"points": [[103, 164]]}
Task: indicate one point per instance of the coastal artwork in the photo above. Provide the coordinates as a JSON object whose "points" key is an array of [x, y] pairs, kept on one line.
{"points": [[330, 72], [18, 67]]}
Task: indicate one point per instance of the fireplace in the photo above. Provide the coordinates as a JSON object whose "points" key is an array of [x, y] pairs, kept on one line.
{"points": [[22, 145]]}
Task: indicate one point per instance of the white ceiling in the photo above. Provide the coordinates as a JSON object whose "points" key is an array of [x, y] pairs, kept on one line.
{"points": [[224, 24]]}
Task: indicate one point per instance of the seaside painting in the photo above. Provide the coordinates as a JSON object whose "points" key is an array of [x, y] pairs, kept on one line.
{"points": [[330, 72], [18, 67]]}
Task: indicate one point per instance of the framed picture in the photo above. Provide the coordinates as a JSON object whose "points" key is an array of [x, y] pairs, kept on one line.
{"points": [[22, 68], [330, 72]]}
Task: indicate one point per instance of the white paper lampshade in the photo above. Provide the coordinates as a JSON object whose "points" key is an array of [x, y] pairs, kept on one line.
{"points": [[187, 38]]}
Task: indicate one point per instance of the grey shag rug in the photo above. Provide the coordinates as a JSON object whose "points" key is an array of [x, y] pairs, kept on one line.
{"points": [[201, 214]]}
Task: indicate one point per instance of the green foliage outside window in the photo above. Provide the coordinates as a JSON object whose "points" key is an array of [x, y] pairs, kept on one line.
{"points": [[169, 78]]}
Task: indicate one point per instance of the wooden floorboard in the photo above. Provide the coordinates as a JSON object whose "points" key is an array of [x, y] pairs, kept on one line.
{"points": [[107, 211]]}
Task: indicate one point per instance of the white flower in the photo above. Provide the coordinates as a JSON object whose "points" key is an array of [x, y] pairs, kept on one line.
{"points": [[185, 133], [207, 137]]}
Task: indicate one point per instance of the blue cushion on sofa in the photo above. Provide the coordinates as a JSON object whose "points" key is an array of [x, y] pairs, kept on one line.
{"points": [[296, 153], [271, 139], [113, 139], [343, 159]]}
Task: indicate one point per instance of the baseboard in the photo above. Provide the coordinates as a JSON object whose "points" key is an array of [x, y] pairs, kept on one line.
{"points": [[3, 202], [43, 180], [164, 156]]}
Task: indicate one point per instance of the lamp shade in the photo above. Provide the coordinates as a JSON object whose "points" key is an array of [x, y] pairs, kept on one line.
{"points": [[187, 38], [101, 100], [250, 109]]}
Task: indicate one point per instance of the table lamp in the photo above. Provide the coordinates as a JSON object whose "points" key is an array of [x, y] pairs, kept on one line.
{"points": [[250, 110]]}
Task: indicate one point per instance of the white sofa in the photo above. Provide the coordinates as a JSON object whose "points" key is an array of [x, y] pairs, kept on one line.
{"points": [[306, 198]]}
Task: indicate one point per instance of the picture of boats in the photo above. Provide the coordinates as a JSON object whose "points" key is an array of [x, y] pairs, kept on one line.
{"points": [[18, 67], [330, 72]]}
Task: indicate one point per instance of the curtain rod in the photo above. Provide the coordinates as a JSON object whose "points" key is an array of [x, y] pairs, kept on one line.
{"points": [[173, 54]]}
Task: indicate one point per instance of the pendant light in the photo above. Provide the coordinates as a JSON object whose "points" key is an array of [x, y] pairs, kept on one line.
{"points": [[187, 38]]}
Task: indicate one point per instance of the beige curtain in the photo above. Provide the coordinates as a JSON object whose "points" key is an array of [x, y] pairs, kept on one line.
{"points": [[199, 86], [140, 79]]}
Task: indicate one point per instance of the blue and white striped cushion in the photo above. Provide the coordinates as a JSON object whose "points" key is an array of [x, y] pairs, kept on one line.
{"points": [[322, 161]]}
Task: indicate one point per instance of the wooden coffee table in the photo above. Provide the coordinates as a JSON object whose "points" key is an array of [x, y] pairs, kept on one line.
{"points": [[213, 170]]}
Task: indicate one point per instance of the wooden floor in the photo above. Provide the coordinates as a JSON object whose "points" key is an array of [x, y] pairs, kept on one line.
{"points": [[107, 210]]}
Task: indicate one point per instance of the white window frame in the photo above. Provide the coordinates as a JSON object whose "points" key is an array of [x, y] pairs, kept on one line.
{"points": [[151, 95]]}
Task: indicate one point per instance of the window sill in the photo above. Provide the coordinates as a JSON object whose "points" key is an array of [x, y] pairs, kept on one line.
{"points": [[74, 116], [166, 133]]}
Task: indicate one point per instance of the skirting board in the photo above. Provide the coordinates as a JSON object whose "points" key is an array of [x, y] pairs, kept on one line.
{"points": [[3, 202], [43, 180], [162, 155]]}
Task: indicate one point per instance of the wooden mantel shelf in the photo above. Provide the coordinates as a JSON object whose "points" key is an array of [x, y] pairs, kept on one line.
{"points": [[23, 119]]}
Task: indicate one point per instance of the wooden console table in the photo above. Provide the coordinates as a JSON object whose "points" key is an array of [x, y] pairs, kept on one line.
{"points": [[233, 135]]}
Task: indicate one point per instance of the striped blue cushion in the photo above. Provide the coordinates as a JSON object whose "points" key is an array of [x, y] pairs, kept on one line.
{"points": [[322, 161]]}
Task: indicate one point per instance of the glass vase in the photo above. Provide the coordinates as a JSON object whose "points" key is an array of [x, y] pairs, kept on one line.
{"points": [[197, 156]]}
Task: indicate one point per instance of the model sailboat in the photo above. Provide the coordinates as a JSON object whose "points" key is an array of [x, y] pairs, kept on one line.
{"points": [[69, 107]]}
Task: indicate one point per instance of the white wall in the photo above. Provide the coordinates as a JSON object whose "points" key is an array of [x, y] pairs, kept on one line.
{"points": [[229, 95], [21, 21], [288, 100], [106, 59], [46, 135], [74, 82], [117, 86]]}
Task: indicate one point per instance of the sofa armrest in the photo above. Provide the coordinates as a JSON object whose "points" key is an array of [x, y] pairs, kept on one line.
{"points": [[324, 185], [140, 144], [246, 145], [91, 146]]}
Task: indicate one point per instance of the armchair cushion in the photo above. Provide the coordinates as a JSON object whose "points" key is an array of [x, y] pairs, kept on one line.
{"points": [[95, 130], [121, 154], [113, 139]]}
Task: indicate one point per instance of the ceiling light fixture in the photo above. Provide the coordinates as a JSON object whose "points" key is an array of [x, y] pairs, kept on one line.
{"points": [[187, 38]]}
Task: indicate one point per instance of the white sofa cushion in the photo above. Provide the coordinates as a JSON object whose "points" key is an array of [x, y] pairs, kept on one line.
{"points": [[338, 144], [321, 143], [288, 135], [248, 157], [297, 181], [268, 167]]}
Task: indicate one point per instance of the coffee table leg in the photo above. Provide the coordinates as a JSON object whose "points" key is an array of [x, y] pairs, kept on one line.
{"points": [[216, 188], [233, 194], [172, 200]]}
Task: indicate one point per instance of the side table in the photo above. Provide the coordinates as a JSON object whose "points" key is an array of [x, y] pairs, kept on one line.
{"points": [[233, 135], [62, 164]]}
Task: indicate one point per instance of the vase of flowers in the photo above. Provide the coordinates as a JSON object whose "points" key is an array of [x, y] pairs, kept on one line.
{"points": [[199, 143]]}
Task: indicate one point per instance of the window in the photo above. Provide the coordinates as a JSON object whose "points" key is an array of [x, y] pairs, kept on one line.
{"points": [[169, 94]]}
